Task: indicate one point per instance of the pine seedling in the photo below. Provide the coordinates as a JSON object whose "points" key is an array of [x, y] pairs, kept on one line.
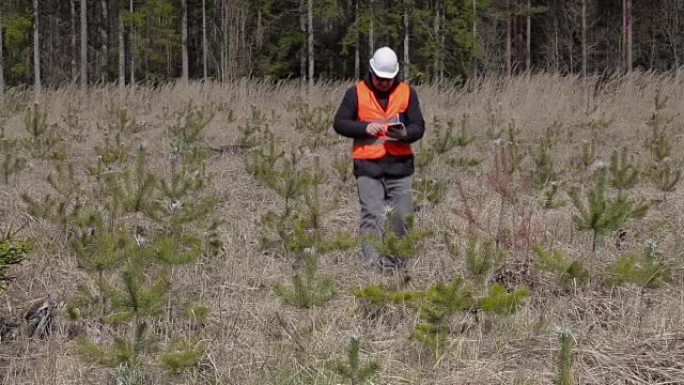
{"points": [[659, 143], [495, 120], [35, 123], [399, 248], [135, 303], [441, 143], [262, 161], [500, 301], [342, 166], [445, 140], [544, 171], [11, 162], [110, 158], [665, 176], [288, 179], [566, 270], [600, 214], [299, 226], [507, 160], [119, 121], [588, 153], [443, 299], [433, 335], [440, 301], [181, 355], [113, 155], [183, 203], [42, 142], [307, 289], [424, 157], [212, 240], [646, 270], [131, 190], [480, 258], [182, 192], [314, 122], [463, 162], [353, 370], [567, 341], [187, 132], [452, 247], [623, 173], [428, 191], [134, 279], [376, 294], [255, 130], [463, 139], [435, 305], [99, 249], [13, 251], [72, 122], [550, 193], [64, 206], [543, 164], [512, 157]]}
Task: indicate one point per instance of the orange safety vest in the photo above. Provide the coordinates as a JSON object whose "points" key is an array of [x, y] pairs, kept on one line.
{"points": [[369, 110]]}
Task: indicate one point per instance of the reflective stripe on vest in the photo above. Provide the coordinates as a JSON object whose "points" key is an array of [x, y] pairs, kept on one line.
{"points": [[370, 110]]}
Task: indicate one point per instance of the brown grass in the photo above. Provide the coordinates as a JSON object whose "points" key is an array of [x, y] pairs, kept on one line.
{"points": [[624, 336]]}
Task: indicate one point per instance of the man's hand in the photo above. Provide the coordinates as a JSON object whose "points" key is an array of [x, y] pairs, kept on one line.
{"points": [[396, 131], [373, 128]]}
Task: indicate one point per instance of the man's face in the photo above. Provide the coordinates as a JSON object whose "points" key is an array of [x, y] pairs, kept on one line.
{"points": [[381, 84]]}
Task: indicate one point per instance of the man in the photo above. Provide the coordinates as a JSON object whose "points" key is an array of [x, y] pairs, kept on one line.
{"points": [[382, 114]]}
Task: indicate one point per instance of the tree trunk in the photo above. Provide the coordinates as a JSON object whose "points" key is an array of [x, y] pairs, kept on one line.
{"points": [[675, 51], [627, 35], [204, 40], [83, 77], [224, 41], [475, 37], [74, 67], [242, 52], [407, 61], [651, 31], [2, 63], [302, 29], [556, 49], [311, 42], [132, 45], [528, 37], [508, 39], [105, 37], [184, 37], [50, 49], [436, 54], [36, 48], [259, 29], [357, 53], [584, 38], [122, 51], [371, 31]]}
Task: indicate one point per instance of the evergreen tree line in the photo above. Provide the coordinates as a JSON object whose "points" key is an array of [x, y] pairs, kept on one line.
{"points": [[56, 42]]}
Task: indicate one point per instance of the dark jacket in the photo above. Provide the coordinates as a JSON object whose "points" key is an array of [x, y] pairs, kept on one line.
{"points": [[346, 124]]}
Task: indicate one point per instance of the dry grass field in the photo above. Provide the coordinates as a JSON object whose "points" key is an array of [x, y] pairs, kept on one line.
{"points": [[623, 334]]}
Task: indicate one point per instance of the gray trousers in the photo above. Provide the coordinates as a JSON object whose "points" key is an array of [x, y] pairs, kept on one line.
{"points": [[382, 199]]}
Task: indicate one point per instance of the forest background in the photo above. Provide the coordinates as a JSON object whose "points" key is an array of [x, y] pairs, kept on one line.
{"points": [[127, 41]]}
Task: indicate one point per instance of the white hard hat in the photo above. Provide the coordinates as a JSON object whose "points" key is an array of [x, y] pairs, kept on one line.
{"points": [[385, 63]]}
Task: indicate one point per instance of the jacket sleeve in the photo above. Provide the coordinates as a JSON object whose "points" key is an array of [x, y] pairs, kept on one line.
{"points": [[345, 122], [415, 124]]}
